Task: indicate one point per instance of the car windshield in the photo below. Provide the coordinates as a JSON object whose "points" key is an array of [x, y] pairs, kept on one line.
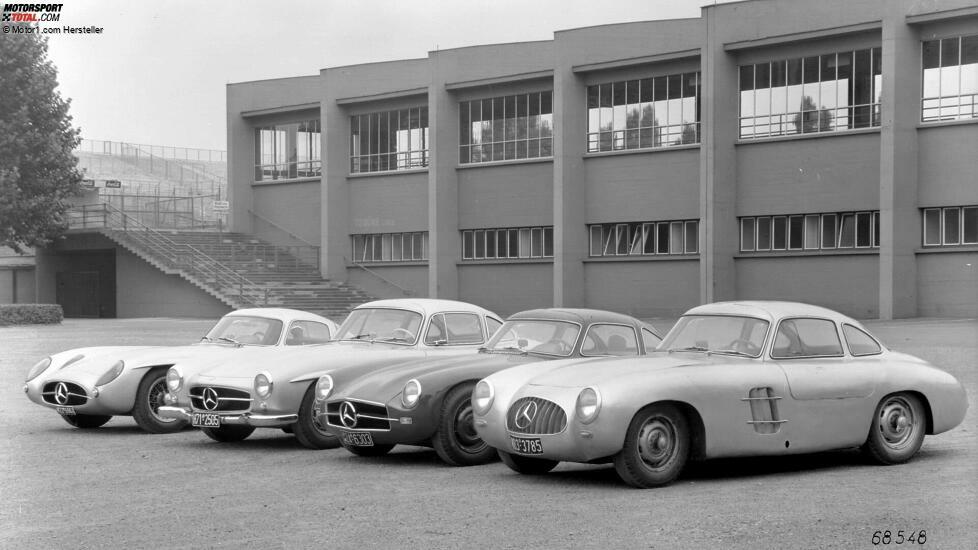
{"points": [[535, 336], [242, 329], [717, 333], [398, 326]]}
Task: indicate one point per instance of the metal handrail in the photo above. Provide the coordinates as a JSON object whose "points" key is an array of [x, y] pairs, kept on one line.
{"points": [[280, 228], [183, 257], [381, 277]]}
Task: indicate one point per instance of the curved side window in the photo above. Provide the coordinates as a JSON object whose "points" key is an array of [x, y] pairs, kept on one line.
{"points": [[454, 329], [650, 339], [804, 337], [302, 333], [605, 339], [860, 343], [492, 325]]}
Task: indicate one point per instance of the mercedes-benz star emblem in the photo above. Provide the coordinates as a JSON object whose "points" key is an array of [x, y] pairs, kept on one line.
{"points": [[525, 415], [61, 393], [210, 398], [348, 414]]}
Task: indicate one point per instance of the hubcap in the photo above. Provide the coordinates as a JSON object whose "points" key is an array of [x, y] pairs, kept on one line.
{"points": [[897, 422], [156, 393], [465, 432], [657, 442]]}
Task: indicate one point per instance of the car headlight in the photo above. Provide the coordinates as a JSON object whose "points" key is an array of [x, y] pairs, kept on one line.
{"points": [[324, 386], [588, 405], [263, 385], [411, 393], [482, 397], [111, 374], [174, 379], [38, 368]]}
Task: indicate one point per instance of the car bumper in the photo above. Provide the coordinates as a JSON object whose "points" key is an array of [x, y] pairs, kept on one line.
{"points": [[237, 419], [97, 401]]}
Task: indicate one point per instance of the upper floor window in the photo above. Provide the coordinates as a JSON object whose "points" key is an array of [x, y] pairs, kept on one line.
{"points": [[499, 244], [950, 79], [644, 238], [389, 140], [288, 151], [951, 226], [810, 232], [819, 93], [506, 128], [390, 247], [640, 114]]}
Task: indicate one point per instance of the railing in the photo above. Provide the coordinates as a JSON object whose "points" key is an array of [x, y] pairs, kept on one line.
{"points": [[405, 291], [209, 168], [157, 211], [308, 251], [296, 257], [182, 257]]}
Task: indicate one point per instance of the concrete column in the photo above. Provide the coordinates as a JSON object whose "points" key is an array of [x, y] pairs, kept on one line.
{"points": [[718, 167], [570, 194], [899, 216], [241, 164], [335, 244], [444, 241]]}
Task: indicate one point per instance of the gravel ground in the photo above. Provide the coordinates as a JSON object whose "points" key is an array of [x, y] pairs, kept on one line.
{"points": [[117, 487]]}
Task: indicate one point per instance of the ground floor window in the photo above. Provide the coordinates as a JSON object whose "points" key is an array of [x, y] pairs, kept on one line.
{"points": [[644, 238], [811, 232], [950, 226], [390, 247], [510, 242]]}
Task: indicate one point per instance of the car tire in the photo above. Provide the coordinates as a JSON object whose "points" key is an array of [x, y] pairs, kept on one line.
{"points": [[86, 421], [456, 441], [149, 397], [897, 430], [656, 447], [310, 434], [228, 434], [527, 465], [376, 450]]}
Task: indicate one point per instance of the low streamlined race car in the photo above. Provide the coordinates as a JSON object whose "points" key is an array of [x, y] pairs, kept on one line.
{"points": [[265, 390], [730, 379], [428, 402], [87, 386]]}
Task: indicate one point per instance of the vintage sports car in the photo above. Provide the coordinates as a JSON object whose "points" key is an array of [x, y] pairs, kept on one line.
{"points": [[428, 402], [88, 386], [730, 379], [266, 390]]}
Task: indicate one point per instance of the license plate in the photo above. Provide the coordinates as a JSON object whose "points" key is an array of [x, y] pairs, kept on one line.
{"points": [[526, 446], [65, 411], [358, 439], [202, 420]]}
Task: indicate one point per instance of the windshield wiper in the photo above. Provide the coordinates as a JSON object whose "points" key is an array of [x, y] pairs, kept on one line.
{"points": [[689, 348], [230, 340], [393, 339], [507, 349], [359, 336], [732, 352], [206, 339]]}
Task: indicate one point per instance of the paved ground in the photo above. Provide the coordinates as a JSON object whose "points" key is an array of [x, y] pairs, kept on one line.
{"points": [[117, 487]]}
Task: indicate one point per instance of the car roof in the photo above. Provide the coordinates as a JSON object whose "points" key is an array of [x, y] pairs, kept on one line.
{"points": [[583, 316], [281, 313], [770, 310], [427, 306]]}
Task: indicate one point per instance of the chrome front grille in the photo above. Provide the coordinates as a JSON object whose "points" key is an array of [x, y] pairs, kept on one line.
{"points": [[218, 399], [358, 415], [532, 415], [64, 394]]}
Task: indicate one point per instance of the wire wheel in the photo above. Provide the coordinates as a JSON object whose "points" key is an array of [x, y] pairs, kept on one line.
{"points": [[155, 400]]}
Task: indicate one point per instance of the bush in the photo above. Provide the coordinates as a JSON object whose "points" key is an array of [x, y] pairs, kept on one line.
{"points": [[30, 314]]}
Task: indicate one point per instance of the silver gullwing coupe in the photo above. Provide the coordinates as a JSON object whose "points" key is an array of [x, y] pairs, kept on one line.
{"points": [[277, 390], [729, 379], [88, 386]]}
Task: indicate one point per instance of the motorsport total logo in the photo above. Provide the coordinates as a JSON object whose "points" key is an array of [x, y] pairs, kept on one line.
{"points": [[30, 19]]}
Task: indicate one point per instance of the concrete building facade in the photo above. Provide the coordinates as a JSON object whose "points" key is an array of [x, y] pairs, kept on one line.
{"points": [[769, 149]]}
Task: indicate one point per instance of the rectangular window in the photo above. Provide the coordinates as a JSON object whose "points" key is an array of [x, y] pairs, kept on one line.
{"points": [[822, 93], [507, 128], [811, 231], [521, 242], [389, 140], [644, 113], [950, 226], [288, 151], [390, 247], [950, 79], [644, 238]]}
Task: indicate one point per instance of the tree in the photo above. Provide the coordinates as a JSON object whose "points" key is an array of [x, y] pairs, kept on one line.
{"points": [[38, 171]]}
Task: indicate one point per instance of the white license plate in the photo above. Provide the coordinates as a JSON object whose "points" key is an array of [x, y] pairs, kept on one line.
{"points": [[526, 446], [358, 439], [65, 411], [203, 420]]}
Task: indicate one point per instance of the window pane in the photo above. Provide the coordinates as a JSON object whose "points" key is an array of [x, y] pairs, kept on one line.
{"points": [[780, 232], [829, 231], [859, 342], [692, 237], [864, 222], [796, 233], [764, 233], [480, 244], [847, 231], [595, 249], [806, 338], [952, 228], [970, 215], [811, 232], [932, 227], [747, 234], [676, 246], [662, 238]]}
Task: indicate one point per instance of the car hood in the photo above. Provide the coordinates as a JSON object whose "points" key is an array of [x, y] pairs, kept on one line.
{"points": [[575, 374], [381, 384]]}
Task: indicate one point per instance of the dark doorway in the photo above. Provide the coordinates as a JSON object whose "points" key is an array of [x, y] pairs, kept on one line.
{"points": [[78, 293]]}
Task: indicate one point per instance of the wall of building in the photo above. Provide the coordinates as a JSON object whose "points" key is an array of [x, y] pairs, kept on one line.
{"points": [[16, 285], [145, 291], [288, 213], [507, 288], [948, 166], [947, 284], [389, 203], [649, 288], [399, 278], [508, 195]]}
